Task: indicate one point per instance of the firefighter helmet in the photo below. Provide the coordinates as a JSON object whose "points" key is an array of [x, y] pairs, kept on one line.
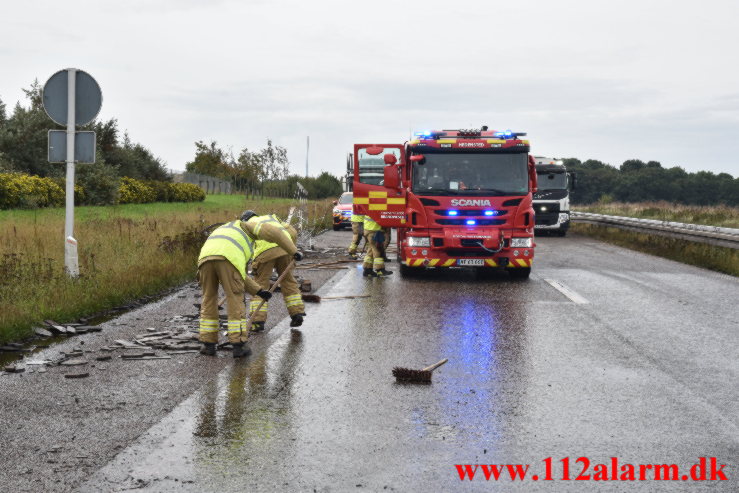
{"points": [[247, 215]]}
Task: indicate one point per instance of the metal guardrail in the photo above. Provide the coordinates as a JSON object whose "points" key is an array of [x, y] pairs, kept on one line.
{"points": [[712, 235]]}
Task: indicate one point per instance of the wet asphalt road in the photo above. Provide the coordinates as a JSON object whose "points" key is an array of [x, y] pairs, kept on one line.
{"points": [[603, 353]]}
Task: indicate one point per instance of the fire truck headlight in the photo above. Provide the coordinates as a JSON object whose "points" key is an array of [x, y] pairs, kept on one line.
{"points": [[419, 241], [543, 208], [521, 242]]}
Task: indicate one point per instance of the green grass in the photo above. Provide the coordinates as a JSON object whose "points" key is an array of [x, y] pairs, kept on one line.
{"points": [[715, 258], [721, 215], [125, 252]]}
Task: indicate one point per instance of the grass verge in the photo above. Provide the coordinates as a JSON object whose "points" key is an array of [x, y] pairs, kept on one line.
{"points": [[721, 215], [125, 252], [711, 257]]}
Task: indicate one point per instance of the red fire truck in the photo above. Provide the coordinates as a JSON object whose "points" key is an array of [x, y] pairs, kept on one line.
{"points": [[458, 198]]}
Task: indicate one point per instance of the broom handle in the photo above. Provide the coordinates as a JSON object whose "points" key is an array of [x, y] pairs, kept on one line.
{"points": [[435, 365], [271, 290]]}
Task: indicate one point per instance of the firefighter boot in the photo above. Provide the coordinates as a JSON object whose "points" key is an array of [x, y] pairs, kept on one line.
{"points": [[368, 272], [241, 350], [297, 320], [257, 326], [383, 272], [208, 349]]}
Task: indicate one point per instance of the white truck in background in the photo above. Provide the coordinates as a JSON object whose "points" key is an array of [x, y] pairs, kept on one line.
{"points": [[552, 199]]}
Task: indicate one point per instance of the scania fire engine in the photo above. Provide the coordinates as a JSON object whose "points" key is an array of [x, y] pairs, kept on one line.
{"points": [[458, 198]]}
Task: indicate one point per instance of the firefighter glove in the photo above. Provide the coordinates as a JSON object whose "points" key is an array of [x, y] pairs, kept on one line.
{"points": [[264, 294]]}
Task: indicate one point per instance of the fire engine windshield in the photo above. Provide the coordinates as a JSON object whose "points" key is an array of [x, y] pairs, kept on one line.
{"points": [[551, 181], [471, 174]]}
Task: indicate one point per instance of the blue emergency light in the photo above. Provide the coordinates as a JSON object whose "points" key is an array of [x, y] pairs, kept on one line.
{"points": [[471, 222], [452, 213], [489, 213], [425, 133]]}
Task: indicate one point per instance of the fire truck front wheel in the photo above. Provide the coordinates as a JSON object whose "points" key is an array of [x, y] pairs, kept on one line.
{"points": [[406, 271], [519, 272]]}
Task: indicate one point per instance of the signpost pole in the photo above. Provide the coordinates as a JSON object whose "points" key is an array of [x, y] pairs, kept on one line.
{"points": [[71, 262]]}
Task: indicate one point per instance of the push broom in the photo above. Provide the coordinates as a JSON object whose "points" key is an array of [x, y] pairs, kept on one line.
{"points": [[416, 376]]}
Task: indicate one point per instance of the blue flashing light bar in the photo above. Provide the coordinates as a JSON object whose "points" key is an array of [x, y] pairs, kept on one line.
{"points": [[489, 213], [471, 222], [452, 213], [425, 133]]}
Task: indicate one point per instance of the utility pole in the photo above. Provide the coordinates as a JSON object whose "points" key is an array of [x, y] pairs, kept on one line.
{"points": [[307, 152]]}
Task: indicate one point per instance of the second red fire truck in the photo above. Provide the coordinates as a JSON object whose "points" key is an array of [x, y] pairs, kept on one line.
{"points": [[458, 198]]}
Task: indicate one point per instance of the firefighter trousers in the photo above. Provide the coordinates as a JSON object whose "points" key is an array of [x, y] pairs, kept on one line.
{"points": [[357, 235], [388, 236], [262, 270], [211, 274], [374, 259]]}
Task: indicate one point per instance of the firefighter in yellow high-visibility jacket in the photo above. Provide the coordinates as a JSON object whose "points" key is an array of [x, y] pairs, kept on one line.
{"points": [[223, 261], [268, 256], [374, 259], [357, 221]]}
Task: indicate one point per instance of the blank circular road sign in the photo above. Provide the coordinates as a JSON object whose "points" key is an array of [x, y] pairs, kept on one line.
{"points": [[88, 98]]}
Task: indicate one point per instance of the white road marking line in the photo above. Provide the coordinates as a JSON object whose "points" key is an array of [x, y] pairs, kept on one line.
{"points": [[567, 292]]}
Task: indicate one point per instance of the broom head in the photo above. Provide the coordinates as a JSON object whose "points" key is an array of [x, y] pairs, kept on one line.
{"points": [[409, 375], [311, 298]]}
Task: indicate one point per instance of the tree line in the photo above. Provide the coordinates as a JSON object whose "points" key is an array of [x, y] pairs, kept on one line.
{"points": [[639, 181], [24, 148], [262, 172]]}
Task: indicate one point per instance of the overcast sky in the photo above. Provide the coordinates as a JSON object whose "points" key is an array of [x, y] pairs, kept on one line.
{"points": [[654, 80]]}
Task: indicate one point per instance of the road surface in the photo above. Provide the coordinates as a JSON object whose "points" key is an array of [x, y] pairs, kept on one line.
{"points": [[603, 353]]}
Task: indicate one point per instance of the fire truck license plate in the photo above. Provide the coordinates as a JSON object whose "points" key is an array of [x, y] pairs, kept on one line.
{"points": [[471, 261]]}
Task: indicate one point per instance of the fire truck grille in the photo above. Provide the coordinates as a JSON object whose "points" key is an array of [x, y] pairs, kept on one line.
{"points": [[478, 222], [468, 252], [469, 212]]}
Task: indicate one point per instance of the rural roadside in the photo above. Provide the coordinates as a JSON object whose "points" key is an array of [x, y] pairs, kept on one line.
{"points": [[81, 401]]}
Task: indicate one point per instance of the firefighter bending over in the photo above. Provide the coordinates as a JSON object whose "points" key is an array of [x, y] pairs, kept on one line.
{"points": [[374, 260], [223, 261], [268, 256], [357, 221]]}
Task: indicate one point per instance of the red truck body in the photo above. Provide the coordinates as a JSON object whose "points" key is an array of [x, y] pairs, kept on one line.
{"points": [[458, 198]]}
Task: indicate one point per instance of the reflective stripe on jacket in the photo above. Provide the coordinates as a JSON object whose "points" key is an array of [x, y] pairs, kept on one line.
{"points": [[232, 242], [357, 218]]}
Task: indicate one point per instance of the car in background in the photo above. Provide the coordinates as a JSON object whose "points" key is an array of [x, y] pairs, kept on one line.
{"points": [[343, 211]]}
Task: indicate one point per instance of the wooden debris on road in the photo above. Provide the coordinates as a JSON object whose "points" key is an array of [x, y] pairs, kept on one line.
{"points": [[76, 375]]}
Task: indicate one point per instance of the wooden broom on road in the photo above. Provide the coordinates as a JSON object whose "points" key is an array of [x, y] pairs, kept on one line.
{"points": [[416, 376]]}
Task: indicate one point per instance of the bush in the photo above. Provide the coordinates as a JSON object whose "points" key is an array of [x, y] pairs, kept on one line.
{"points": [[100, 184], [79, 192], [187, 192], [163, 190], [135, 192], [19, 190]]}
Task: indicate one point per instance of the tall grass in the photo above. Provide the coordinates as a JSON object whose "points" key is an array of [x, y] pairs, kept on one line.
{"points": [[125, 252], [716, 258], [718, 215]]}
